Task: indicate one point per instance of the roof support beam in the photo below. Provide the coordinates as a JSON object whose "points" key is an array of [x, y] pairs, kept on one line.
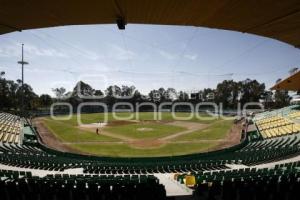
{"points": [[11, 27]]}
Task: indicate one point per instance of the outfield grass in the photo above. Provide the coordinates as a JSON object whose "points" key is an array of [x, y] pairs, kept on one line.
{"points": [[216, 131], [143, 116], [68, 133], [87, 141], [123, 150], [155, 130]]}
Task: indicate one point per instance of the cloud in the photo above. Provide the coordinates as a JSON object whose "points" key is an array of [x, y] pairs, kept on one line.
{"points": [[37, 51], [88, 54], [167, 55], [191, 56], [121, 53], [171, 56], [91, 55], [30, 50]]}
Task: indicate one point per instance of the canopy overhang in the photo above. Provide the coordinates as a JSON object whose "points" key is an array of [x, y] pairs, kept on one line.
{"points": [[276, 19], [291, 83]]}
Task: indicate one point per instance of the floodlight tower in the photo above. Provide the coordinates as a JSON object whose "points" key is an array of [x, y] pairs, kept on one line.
{"points": [[22, 63]]}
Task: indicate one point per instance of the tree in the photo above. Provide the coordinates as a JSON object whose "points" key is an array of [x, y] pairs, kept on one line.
{"points": [[267, 98], [83, 89], [45, 100], [30, 98], [227, 93], [2, 74], [251, 91], [183, 96], [282, 98], [59, 92], [8, 89], [208, 94], [98, 93], [112, 92], [127, 91], [171, 94], [161, 95], [155, 96]]}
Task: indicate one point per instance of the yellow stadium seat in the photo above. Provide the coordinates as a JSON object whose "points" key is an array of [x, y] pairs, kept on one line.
{"points": [[11, 138], [17, 139], [190, 181], [1, 135], [5, 137]]}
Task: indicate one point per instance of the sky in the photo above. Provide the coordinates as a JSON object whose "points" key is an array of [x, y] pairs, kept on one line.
{"points": [[146, 56]]}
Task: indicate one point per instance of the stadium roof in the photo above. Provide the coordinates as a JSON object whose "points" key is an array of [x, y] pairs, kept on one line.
{"points": [[276, 19], [290, 83]]}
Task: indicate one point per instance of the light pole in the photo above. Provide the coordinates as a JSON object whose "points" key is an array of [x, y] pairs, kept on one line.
{"points": [[22, 63]]}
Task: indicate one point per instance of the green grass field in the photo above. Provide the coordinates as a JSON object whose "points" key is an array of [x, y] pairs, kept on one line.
{"points": [[152, 130], [122, 150], [67, 132], [215, 132], [144, 137]]}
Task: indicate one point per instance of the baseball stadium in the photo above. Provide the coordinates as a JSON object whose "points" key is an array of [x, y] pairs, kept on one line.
{"points": [[233, 138]]}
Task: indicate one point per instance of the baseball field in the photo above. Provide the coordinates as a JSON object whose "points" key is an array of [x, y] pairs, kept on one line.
{"points": [[138, 134]]}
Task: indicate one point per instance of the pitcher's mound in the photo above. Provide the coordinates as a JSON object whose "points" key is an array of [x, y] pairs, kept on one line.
{"points": [[145, 129]]}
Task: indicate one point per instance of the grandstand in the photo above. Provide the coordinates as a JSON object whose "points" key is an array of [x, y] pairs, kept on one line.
{"points": [[277, 123], [32, 168], [294, 115], [10, 128]]}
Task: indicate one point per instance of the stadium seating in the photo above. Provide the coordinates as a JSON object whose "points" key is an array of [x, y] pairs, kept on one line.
{"points": [[278, 112], [10, 128], [129, 178], [23, 186], [294, 115], [37, 157], [249, 184], [280, 182], [278, 123]]}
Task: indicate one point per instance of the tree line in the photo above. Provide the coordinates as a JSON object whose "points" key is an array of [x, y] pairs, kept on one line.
{"points": [[228, 92]]}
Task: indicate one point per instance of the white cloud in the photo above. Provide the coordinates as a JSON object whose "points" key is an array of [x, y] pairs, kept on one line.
{"points": [[14, 50], [191, 56], [120, 53], [167, 55], [88, 54], [171, 56], [37, 51]]}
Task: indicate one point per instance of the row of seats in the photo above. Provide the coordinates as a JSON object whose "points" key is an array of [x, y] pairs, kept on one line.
{"points": [[15, 174], [280, 131], [277, 187], [278, 112], [243, 173], [294, 115], [268, 120], [31, 157], [273, 124], [10, 128], [288, 166], [281, 182], [276, 126], [65, 187], [284, 141]]}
